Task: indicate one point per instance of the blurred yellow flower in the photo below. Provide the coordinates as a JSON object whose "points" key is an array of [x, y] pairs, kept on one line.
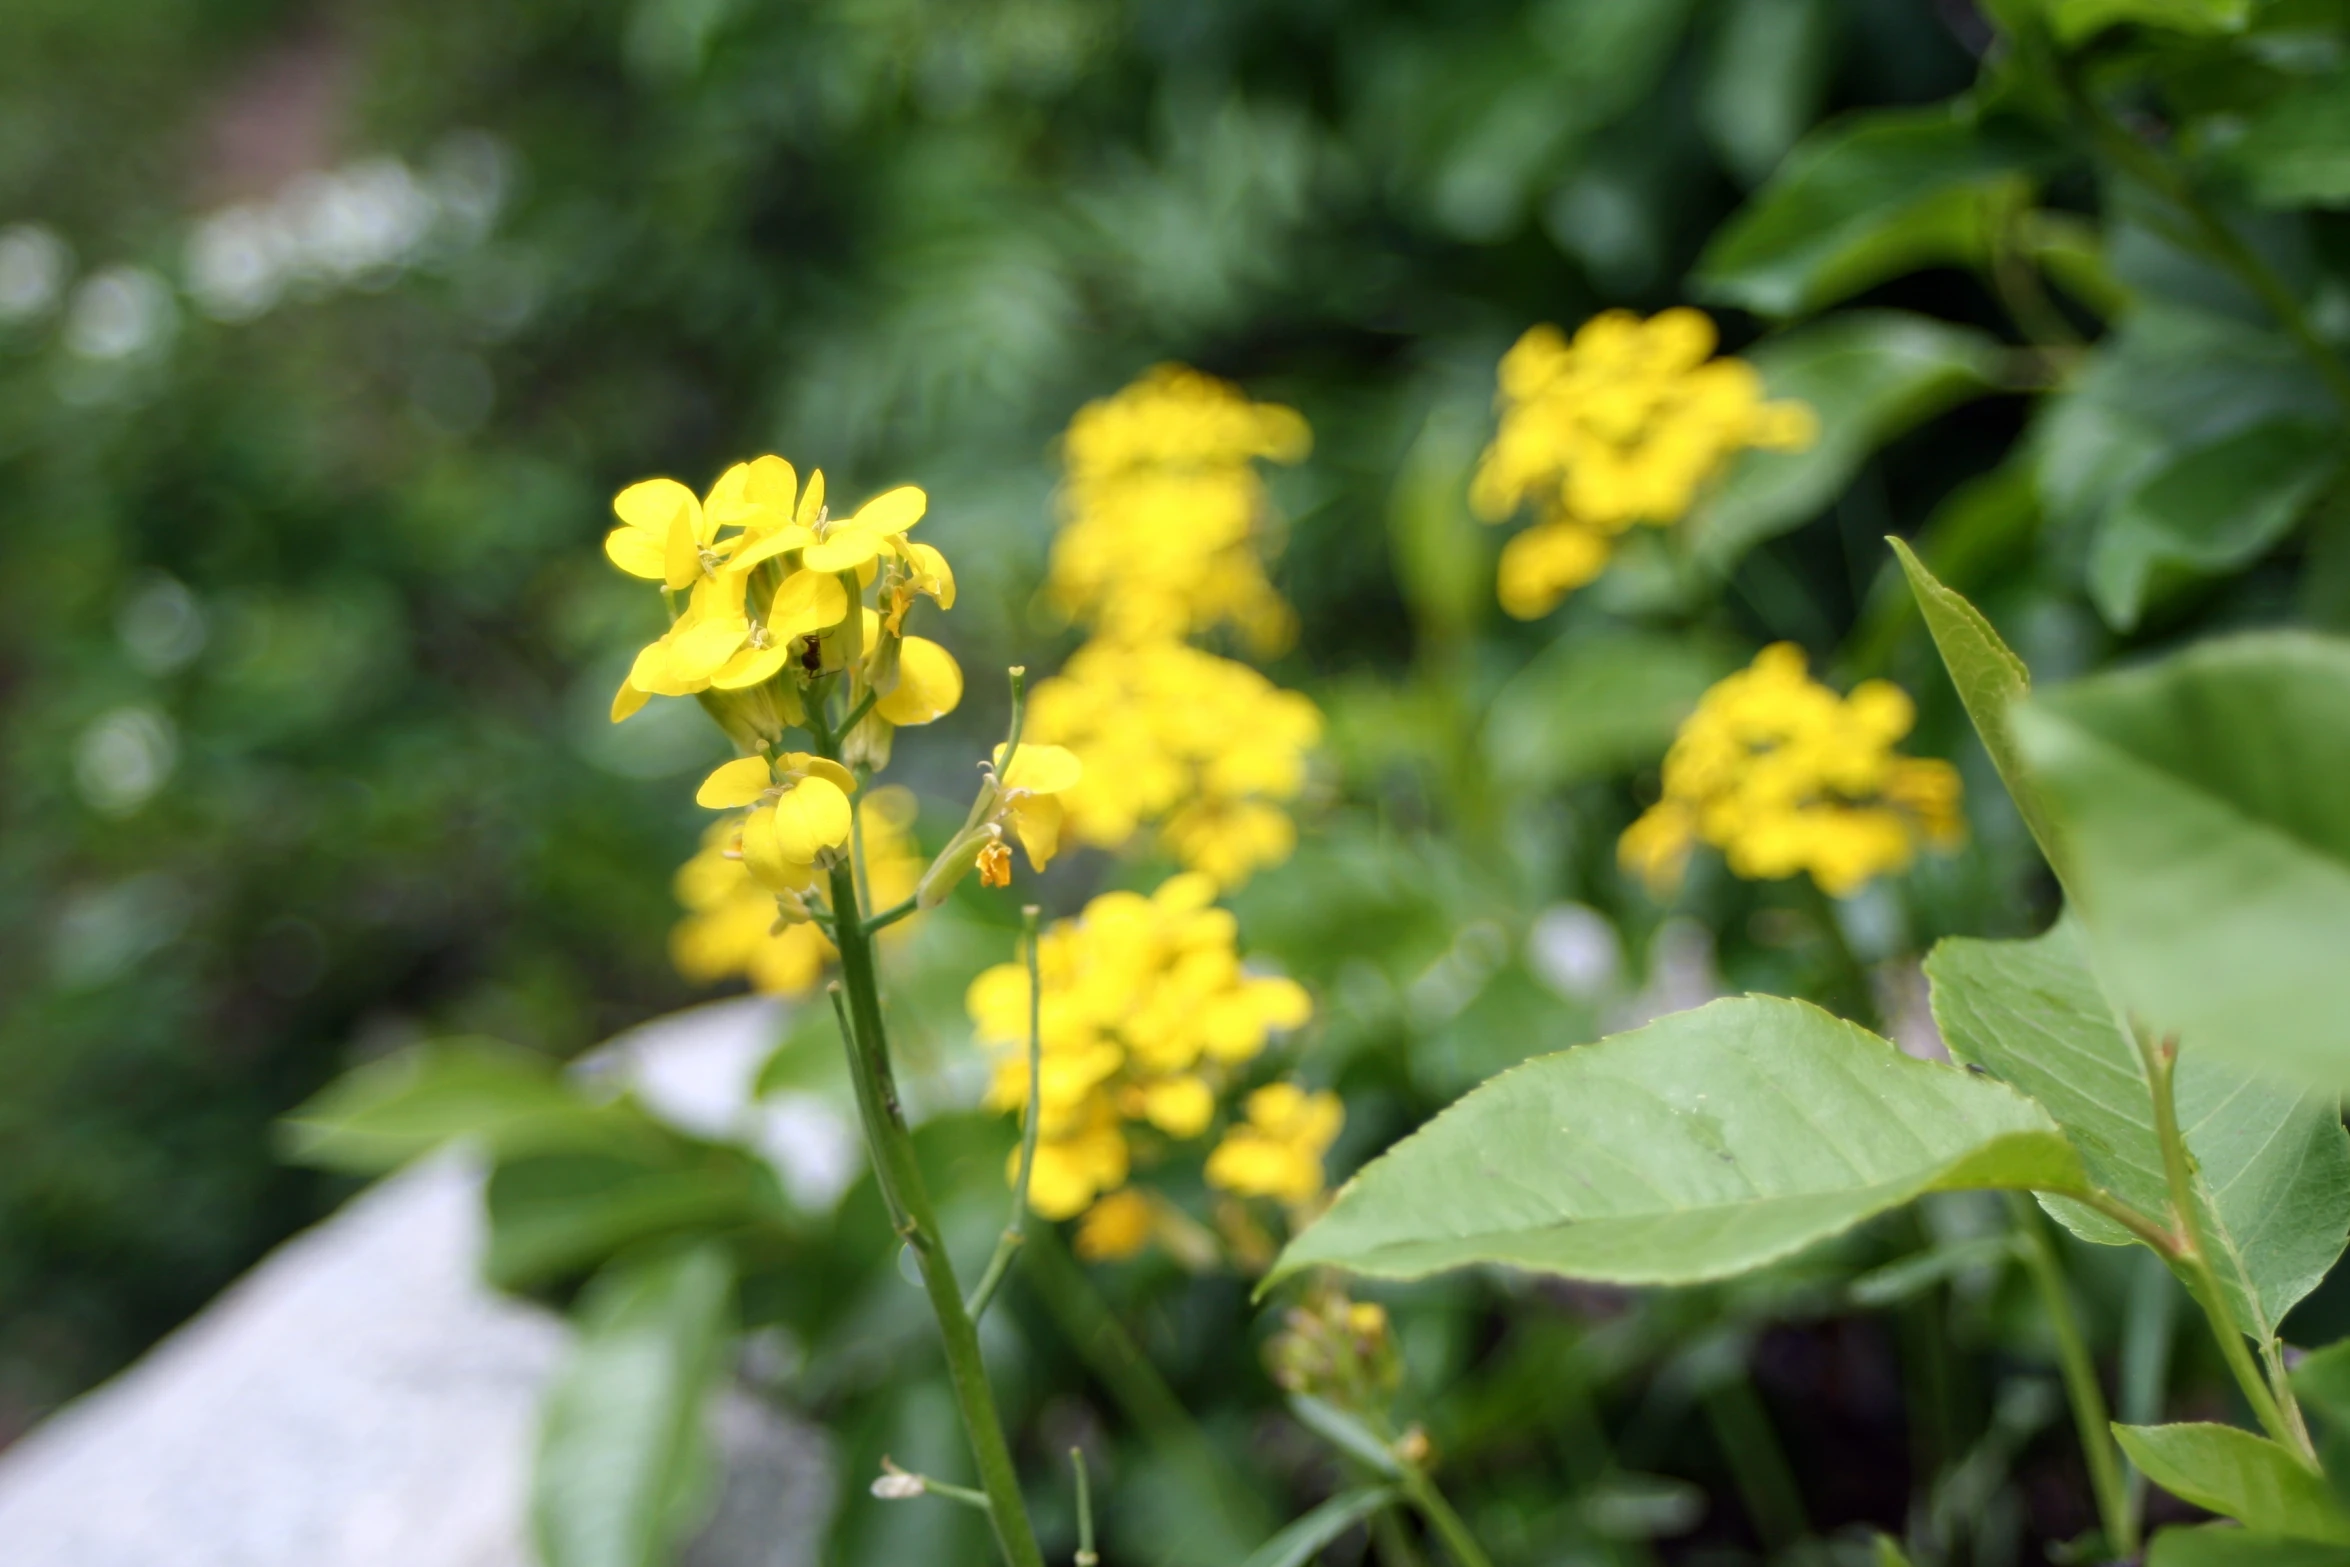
{"points": [[1145, 1008], [1625, 424], [1278, 1151], [1117, 1226], [1173, 735], [1162, 510], [736, 926], [1784, 776]]}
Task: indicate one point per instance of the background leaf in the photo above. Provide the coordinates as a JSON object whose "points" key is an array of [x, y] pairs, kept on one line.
{"points": [[1870, 375], [2208, 836], [1303, 1540], [2273, 1162], [2077, 19], [563, 1214], [2226, 1545], [1706, 1144], [1867, 198], [2295, 150], [2238, 1475], [1588, 706], [622, 1463]]}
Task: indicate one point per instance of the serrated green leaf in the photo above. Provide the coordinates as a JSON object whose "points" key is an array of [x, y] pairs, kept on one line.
{"points": [[1586, 707], [1869, 375], [1297, 1545], [2295, 150], [1866, 198], [2208, 843], [511, 1102], [2238, 1475], [622, 1462], [1706, 1144], [2273, 1162], [2208, 511], [2228, 1545]]}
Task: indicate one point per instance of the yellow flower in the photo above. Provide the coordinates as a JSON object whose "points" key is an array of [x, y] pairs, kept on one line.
{"points": [[800, 812], [1116, 1227], [1278, 1151], [1028, 797], [878, 527], [1625, 424], [928, 685], [1162, 507], [1785, 777], [1144, 1010], [1171, 734]]}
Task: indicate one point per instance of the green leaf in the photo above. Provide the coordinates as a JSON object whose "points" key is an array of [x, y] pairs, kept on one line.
{"points": [[2238, 1475], [2207, 839], [1296, 1545], [2323, 1382], [1709, 1143], [1869, 375], [1864, 199], [1764, 78], [2075, 20], [562, 1214], [2209, 511], [2295, 150], [622, 1464], [1344, 1432], [1591, 706], [2273, 1162], [1889, 1552], [2226, 1545], [511, 1101]]}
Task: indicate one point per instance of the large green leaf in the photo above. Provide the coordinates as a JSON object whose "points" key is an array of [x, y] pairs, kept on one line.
{"points": [[2295, 150], [2226, 1545], [2207, 835], [2208, 511], [512, 1102], [1990, 681], [1870, 375], [2238, 1475], [622, 1464], [1706, 1144], [1588, 706], [1866, 198], [563, 1214], [2273, 1162]]}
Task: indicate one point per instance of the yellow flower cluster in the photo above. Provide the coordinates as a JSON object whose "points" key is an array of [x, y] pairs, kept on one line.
{"points": [[1782, 775], [1161, 541], [1623, 425], [1174, 735], [1162, 510], [1145, 1011], [732, 928]]}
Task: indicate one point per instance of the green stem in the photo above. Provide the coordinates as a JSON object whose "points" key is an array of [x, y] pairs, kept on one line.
{"points": [[1758, 1464], [1008, 1245], [2194, 1251], [890, 916], [1432, 1506], [1085, 1552], [892, 1148], [2080, 1380], [2156, 174]]}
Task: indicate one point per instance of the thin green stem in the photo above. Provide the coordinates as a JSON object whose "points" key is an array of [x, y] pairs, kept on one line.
{"points": [[892, 1147], [2080, 1379], [2156, 174], [2194, 1254], [1431, 1505], [2154, 1235], [890, 916], [1085, 1551], [857, 713], [1018, 675], [1008, 1245]]}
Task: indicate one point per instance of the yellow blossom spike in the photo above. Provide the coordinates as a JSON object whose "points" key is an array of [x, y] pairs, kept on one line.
{"points": [[930, 684], [738, 782]]}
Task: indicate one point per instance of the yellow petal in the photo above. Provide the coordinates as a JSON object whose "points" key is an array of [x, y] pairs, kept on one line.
{"points": [[636, 552], [832, 772], [811, 817], [726, 505], [681, 556], [930, 683], [626, 701], [892, 511], [1036, 822], [811, 501], [765, 546], [849, 546], [698, 649], [651, 504], [808, 602], [655, 671], [739, 782], [751, 666], [763, 855], [1042, 769], [772, 485], [929, 564]]}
